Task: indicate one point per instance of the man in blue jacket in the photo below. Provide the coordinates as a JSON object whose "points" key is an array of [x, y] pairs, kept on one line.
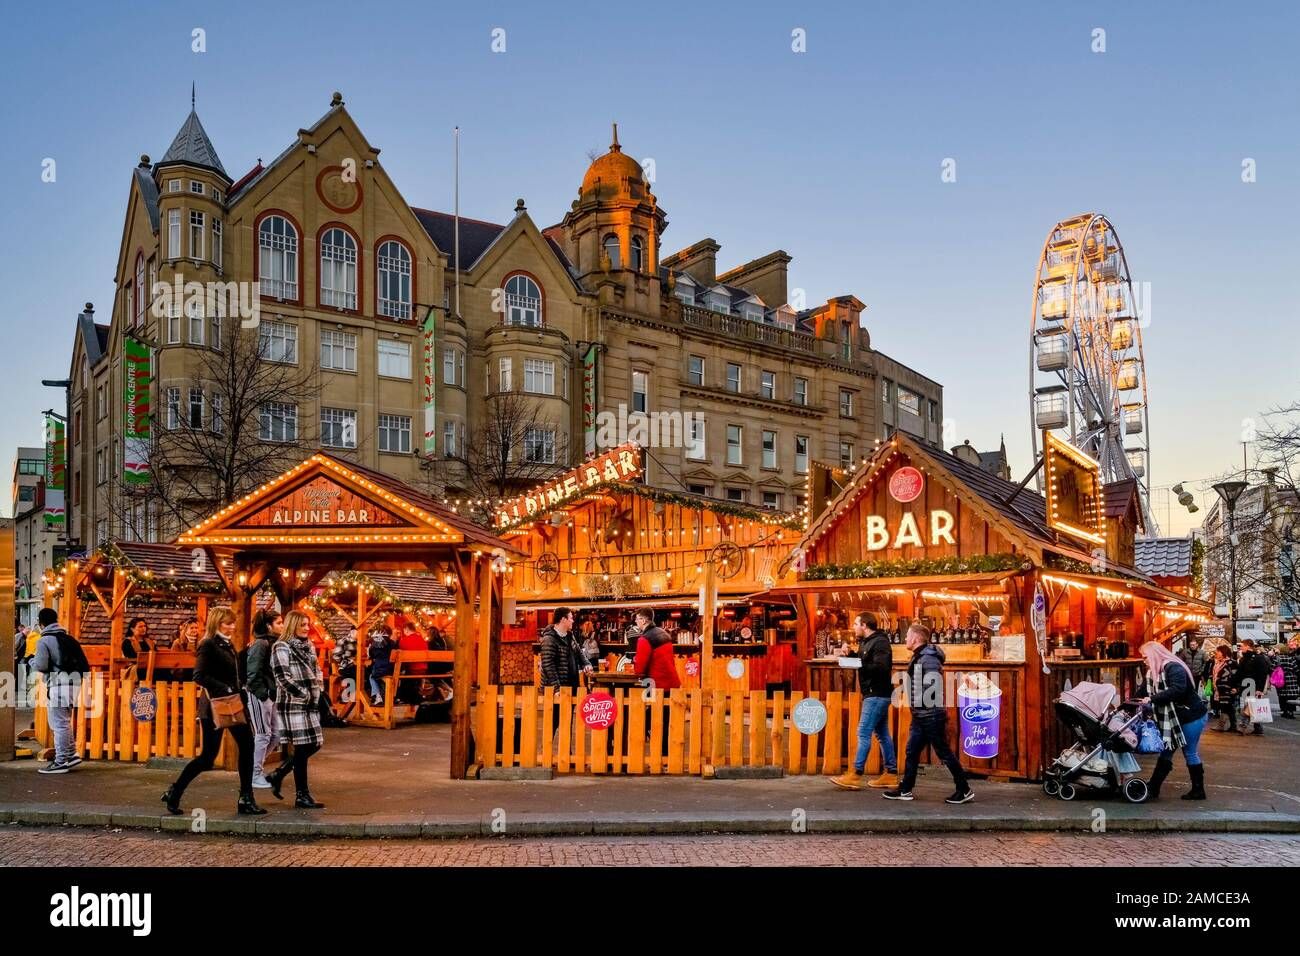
{"points": [[929, 718]]}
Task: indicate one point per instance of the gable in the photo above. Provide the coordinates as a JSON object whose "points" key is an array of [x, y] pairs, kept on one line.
{"points": [[321, 502]]}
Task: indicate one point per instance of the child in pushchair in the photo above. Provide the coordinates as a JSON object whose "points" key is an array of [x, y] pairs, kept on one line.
{"points": [[1101, 758]]}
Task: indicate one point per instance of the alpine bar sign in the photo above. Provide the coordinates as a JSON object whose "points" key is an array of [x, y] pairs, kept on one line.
{"points": [[620, 464], [320, 503]]}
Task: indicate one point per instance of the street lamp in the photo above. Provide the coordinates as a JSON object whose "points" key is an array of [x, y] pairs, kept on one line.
{"points": [[1230, 491]]}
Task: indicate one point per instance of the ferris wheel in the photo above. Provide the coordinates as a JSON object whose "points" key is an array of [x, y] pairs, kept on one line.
{"points": [[1087, 376]]}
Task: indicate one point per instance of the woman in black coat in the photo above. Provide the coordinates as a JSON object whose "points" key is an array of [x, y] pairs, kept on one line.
{"points": [[1223, 678], [217, 669], [1253, 672], [1181, 714]]}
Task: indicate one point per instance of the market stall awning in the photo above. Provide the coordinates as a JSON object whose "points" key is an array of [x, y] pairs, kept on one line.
{"points": [[667, 602], [915, 582], [1139, 588]]}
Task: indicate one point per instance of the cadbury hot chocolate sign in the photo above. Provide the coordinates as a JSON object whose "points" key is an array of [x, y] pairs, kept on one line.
{"points": [[320, 504]]}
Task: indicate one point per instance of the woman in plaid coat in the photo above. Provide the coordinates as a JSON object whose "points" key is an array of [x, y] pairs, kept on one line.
{"points": [[1289, 661], [299, 686]]}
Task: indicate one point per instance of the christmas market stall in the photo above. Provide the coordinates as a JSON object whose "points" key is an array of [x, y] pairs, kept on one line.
{"points": [[326, 515], [1026, 594], [601, 543]]}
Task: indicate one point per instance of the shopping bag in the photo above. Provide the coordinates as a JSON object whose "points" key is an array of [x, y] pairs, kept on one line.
{"points": [[1207, 689], [1277, 678], [1259, 710], [1149, 739]]}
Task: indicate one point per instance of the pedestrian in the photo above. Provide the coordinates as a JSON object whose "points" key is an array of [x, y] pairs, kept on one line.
{"points": [[561, 656], [61, 661], [1289, 660], [267, 625], [299, 685], [1253, 672], [929, 718], [217, 671], [1201, 660], [875, 680], [1223, 679], [190, 635], [655, 659], [1180, 714]]}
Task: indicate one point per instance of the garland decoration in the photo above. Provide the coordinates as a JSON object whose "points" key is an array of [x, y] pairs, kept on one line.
{"points": [[917, 567]]}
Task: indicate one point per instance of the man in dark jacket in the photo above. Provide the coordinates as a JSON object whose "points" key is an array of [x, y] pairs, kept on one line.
{"points": [[875, 678], [929, 719], [1253, 672], [561, 655]]}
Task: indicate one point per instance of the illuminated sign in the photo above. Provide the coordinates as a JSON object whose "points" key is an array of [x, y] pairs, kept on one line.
{"points": [[620, 464], [879, 535], [1075, 494], [320, 503], [906, 484]]}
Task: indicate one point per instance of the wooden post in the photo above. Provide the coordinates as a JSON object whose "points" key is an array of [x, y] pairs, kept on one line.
{"points": [[467, 568], [708, 613], [116, 620], [8, 713], [1035, 694]]}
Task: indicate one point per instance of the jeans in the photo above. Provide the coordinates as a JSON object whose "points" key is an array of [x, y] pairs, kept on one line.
{"points": [[1192, 751], [875, 720], [930, 727], [261, 717], [60, 721]]}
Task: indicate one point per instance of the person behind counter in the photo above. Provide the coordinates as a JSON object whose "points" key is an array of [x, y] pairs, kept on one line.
{"points": [[929, 719], [875, 678], [654, 653]]}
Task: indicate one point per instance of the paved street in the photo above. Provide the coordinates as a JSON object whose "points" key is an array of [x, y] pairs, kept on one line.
{"points": [[23, 846]]}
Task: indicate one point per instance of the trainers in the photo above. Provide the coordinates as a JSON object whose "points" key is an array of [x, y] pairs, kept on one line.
{"points": [[848, 781], [897, 794], [960, 797], [261, 783], [55, 766], [886, 781], [72, 761]]}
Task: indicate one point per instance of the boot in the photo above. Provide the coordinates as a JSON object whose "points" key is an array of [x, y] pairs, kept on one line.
{"points": [[848, 781], [305, 801], [1198, 783], [173, 800], [248, 806], [276, 777], [1157, 779]]}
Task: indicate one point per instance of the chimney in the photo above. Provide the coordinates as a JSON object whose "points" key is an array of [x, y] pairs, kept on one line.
{"points": [[764, 276], [699, 261]]}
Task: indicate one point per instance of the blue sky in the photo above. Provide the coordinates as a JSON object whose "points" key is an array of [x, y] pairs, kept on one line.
{"points": [[833, 155]]}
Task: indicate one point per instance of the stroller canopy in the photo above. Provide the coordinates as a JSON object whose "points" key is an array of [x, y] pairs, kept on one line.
{"points": [[1092, 699]]}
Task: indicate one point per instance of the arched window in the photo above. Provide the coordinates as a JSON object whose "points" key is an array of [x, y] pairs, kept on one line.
{"points": [[638, 254], [139, 291], [611, 250], [523, 301], [277, 257], [338, 269], [393, 265]]}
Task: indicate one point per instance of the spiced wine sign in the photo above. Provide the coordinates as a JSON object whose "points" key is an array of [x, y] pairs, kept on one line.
{"points": [[321, 503]]}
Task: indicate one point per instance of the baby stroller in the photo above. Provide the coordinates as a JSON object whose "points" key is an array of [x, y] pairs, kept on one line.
{"points": [[1101, 759]]}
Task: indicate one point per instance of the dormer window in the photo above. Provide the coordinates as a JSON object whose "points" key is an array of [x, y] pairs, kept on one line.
{"points": [[638, 254]]}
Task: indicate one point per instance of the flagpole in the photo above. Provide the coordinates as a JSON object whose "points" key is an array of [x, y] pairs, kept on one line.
{"points": [[456, 225]]}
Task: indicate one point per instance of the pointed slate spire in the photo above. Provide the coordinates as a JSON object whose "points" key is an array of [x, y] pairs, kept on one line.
{"points": [[192, 146]]}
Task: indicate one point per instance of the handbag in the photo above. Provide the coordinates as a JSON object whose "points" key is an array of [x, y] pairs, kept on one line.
{"points": [[1278, 677], [1259, 710], [1149, 739], [228, 711]]}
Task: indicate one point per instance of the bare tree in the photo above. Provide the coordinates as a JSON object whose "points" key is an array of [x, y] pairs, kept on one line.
{"points": [[512, 447], [203, 457]]}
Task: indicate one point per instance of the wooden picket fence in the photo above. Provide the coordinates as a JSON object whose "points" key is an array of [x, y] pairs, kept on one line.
{"points": [[694, 732], [106, 729]]}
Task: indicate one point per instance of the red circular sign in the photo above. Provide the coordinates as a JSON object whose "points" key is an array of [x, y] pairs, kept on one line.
{"points": [[598, 710], [692, 668], [906, 484]]}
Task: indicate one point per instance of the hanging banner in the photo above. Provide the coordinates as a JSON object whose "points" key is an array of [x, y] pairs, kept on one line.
{"points": [[430, 378], [136, 408], [55, 512], [589, 400]]}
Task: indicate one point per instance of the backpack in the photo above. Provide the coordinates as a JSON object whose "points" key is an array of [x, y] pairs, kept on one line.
{"points": [[72, 659]]}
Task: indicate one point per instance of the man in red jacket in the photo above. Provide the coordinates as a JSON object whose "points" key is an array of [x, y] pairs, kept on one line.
{"points": [[654, 653]]}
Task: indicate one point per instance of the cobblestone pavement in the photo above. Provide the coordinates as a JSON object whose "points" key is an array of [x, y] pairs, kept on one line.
{"points": [[22, 846]]}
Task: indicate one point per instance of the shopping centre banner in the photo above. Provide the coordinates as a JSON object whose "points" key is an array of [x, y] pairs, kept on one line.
{"points": [[55, 510], [135, 411]]}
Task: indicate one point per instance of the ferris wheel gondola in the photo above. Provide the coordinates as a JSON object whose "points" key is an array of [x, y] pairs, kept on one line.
{"points": [[1087, 374]]}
